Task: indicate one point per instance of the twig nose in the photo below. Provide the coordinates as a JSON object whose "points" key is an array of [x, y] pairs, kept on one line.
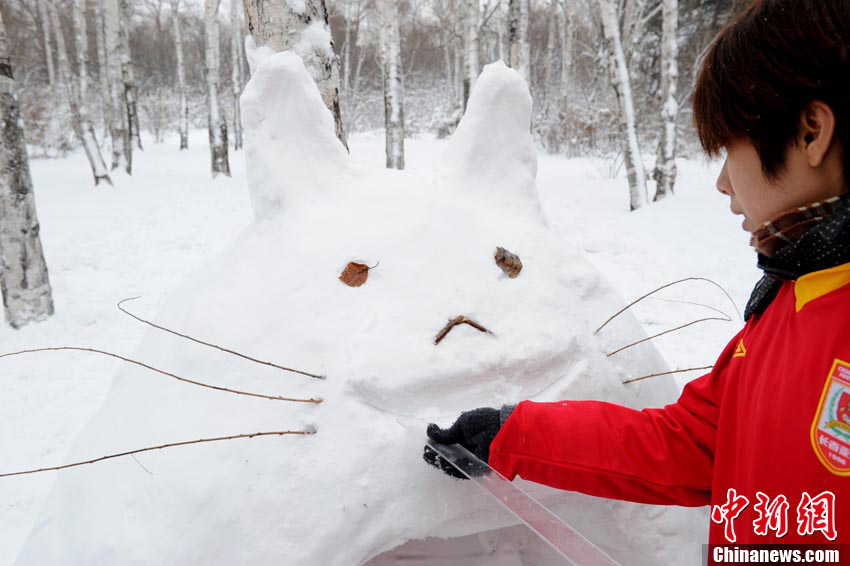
{"points": [[461, 319]]}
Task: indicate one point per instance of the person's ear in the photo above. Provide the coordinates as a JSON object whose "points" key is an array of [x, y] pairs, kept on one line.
{"points": [[817, 126]]}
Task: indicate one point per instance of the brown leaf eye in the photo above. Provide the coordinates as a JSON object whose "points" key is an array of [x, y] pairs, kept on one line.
{"points": [[508, 262], [354, 274]]}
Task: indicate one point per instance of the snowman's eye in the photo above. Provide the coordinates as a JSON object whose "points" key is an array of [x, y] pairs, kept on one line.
{"points": [[508, 262], [355, 274]]}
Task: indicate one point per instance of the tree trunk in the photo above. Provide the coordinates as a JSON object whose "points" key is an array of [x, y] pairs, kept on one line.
{"points": [[665, 164], [41, 6], [24, 283], [346, 51], [131, 95], [632, 34], [470, 37], [393, 82], [633, 12], [82, 43], [567, 16], [216, 122], [460, 70], [276, 24], [551, 53], [103, 75], [518, 46], [122, 147], [619, 73], [236, 71], [79, 114], [183, 111], [352, 71]]}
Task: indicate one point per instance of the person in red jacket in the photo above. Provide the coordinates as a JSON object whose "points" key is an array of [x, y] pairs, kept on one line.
{"points": [[764, 438]]}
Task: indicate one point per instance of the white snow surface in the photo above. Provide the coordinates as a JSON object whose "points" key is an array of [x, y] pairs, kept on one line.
{"points": [[297, 6], [357, 487]]}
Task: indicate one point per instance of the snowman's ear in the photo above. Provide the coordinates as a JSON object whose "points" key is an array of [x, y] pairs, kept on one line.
{"points": [[291, 144], [491, 153]]}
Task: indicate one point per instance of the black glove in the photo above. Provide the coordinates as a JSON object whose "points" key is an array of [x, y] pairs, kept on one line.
{"points": [[474, 430]]}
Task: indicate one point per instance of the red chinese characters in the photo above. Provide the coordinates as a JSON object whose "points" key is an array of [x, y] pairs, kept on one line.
{"points": [[817, 514], [772, 515], [728, 512], [814, 514]]}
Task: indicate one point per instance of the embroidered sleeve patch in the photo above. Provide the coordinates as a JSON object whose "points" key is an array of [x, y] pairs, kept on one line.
{"points": [[831, 425]]}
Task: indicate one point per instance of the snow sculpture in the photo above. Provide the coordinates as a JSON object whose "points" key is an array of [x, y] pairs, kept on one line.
{"points": [[358, 487]]}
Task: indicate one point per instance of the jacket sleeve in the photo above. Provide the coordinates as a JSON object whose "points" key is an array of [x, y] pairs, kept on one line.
{"points": [[662, 456]]}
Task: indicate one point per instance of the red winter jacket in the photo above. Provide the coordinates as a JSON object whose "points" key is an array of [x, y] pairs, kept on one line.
{"points": [[773, 416]]}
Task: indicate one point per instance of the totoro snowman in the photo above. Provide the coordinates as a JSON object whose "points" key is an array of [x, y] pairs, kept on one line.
{"points": [[357, 491]]}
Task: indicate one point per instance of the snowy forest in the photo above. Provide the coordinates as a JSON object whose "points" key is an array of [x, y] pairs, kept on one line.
{"points": [[179, 64]]}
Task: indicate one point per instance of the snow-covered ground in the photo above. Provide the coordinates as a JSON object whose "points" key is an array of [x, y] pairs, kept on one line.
{"points": [[146, 234]]}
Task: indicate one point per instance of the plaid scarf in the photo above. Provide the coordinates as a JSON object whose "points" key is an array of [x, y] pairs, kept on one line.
{"points": [[787, 227], [800, 241]]}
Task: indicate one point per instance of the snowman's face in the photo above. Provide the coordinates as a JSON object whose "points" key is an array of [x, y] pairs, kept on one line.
{"points": [[358, 486], [433, 234]]}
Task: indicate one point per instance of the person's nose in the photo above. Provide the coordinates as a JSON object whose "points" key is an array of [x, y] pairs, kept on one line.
{"points": [[723, 183]]}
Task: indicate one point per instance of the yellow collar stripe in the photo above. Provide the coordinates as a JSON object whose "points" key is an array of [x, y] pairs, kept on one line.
{"points": [[818, 283]]}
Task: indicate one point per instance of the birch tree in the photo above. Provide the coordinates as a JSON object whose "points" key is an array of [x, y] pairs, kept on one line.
{"points": [[295, 26], [391, 72], [122, 147], [619, 74], [665, 164], [183, 104], [236, 70], [351, 71], [216, 122], [551, 53], [81, 38], [24, 282], [518, 47], [131, 95], [470, 37], [41, 6], [83, 128], [566, 19], [103, 72], [632, 33]]}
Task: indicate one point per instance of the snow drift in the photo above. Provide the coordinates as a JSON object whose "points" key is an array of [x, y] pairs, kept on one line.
{"points": [[358, 487]]}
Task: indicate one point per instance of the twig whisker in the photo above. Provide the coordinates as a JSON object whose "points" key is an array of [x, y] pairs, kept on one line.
{"points": [[639, 299], [161, 446], [210, 345], [664, 373], [160, 371]]}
